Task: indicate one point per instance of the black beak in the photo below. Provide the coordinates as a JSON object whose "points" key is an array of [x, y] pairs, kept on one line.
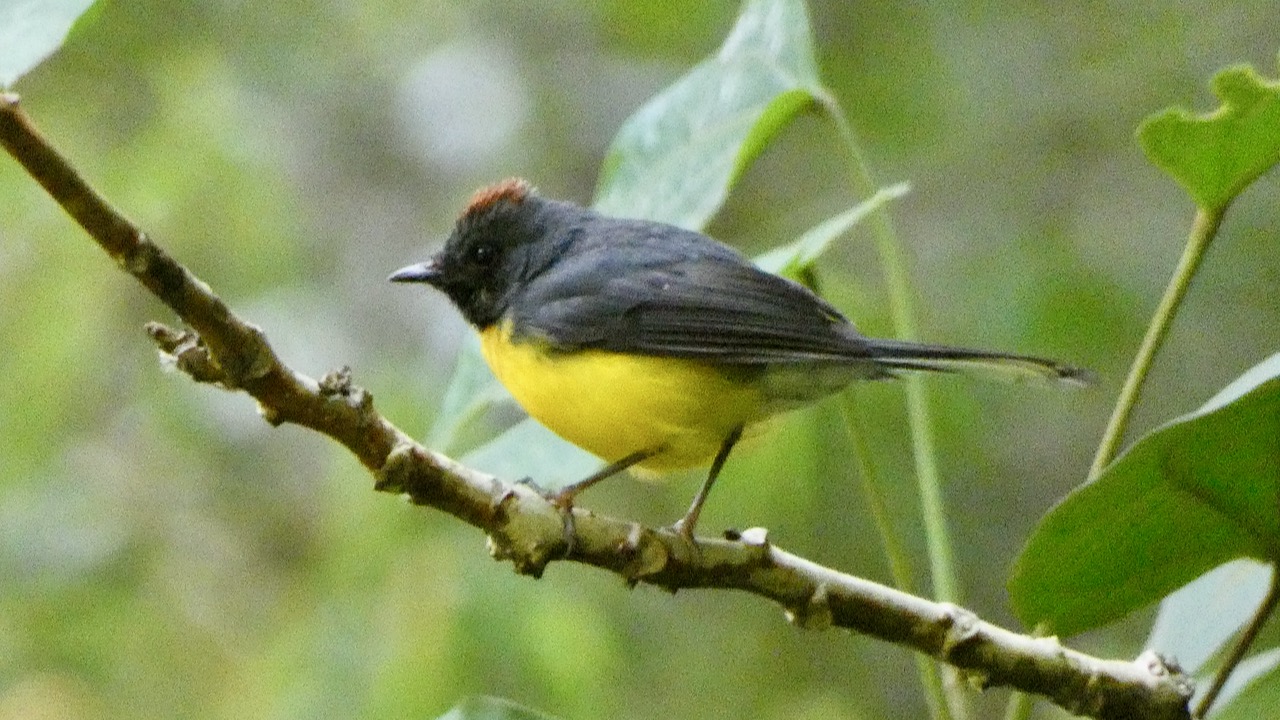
{"points": [[424, 272]]}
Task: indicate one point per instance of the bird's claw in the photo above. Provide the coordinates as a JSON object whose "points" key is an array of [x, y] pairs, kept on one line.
{"points": [[684, 530], [563, 502]]}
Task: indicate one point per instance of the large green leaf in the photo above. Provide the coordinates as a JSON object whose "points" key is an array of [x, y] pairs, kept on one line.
{"points": [[31, 30], [1200, 491], [675, 159], [1215, 156]]}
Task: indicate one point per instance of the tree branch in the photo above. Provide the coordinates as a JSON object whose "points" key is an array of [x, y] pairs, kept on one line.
{"points": [[524, 528]]}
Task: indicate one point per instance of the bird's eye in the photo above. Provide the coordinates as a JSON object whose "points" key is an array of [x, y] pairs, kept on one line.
{"points": [[482, 254]]}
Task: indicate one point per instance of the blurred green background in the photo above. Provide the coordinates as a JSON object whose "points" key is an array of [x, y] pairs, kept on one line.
{"points": [[164, 553]]}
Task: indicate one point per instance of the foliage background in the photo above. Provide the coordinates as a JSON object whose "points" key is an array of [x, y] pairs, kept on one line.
{"points": [[164, 553]]}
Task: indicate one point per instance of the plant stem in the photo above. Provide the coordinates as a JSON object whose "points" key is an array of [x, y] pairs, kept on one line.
{"points": [[919, 416], [1265, 610], [1019, 707], [1203, 229], [929, 485], [873, 490], [899, 561]]}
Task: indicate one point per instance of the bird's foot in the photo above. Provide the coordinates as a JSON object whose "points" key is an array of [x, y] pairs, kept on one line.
{"points": [[683, 529], [562, 501]]}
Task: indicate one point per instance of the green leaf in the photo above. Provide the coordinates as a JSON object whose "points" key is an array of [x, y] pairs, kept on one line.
{"points": [[1252, 691], [1198, 620], [476, 407], [492, 708], [795, 258], [530, 450], [31, 30], [1190, 496], [480, 421], [1215, 156], [675, 159]]}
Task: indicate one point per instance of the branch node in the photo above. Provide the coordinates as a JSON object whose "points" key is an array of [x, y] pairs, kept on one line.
{"points": [[262, 359], [530, 531], [395, 475], [337, 382], [631, 543], [1155, 664], [630, 548], [137, 259], [1160, 666], [271, 415], [960, 628], [815, 613], [754, 537], [500, 505], [337, 385], [164, 336], [185, 352], [645, 555], [527, 558]]}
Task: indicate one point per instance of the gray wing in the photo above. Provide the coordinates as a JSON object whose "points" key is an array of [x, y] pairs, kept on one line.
{"points": [[649, 289], [664, 292]]}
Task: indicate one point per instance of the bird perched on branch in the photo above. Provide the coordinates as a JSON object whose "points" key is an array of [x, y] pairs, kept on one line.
{"points": [[652, 346]]}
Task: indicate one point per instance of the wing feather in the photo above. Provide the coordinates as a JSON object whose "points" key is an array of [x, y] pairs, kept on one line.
{"points": [[638, 287], [682, 297]]}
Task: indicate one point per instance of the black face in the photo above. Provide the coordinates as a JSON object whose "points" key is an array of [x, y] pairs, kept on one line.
{"points": [[487, 253], [474, 270]]}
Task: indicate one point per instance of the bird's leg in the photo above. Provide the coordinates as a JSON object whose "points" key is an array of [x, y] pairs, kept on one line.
{"points": [[563, 498], [686, 525]]}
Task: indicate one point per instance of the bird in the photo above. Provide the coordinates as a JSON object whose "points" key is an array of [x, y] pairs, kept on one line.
{"points": [[652, 346]]}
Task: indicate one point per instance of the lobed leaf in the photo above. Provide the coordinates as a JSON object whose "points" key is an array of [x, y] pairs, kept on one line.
{"points": [[1216, 155]]}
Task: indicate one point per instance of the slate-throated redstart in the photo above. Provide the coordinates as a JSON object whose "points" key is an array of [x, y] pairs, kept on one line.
{"points": [[653, 346]]}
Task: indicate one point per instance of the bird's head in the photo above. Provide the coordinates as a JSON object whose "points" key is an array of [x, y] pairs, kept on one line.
{"points": [[488, 252]]}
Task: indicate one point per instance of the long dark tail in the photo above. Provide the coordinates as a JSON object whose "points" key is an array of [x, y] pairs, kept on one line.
{"points": [[901, 355]]}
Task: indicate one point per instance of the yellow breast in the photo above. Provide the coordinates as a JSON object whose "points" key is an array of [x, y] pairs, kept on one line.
{"points": [[613, 404]]}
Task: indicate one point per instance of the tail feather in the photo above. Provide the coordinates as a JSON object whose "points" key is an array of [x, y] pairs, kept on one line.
{"points": [[902, 355]]}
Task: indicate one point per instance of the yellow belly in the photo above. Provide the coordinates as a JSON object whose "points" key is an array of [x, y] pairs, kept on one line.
{"points": [[612, 404]]}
